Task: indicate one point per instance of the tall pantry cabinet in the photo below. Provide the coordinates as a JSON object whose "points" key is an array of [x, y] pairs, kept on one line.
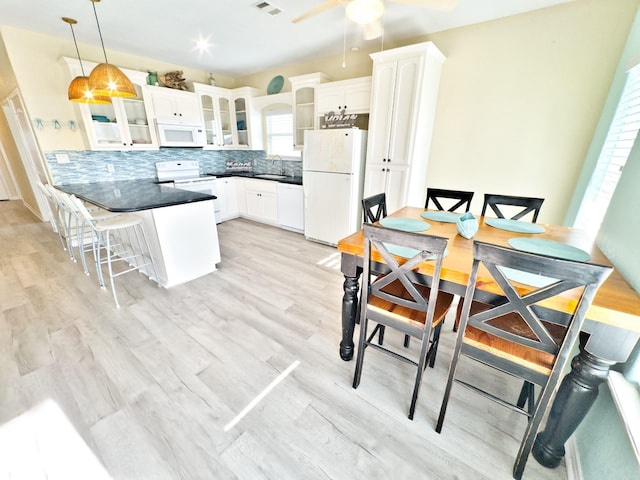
{"points": [[404, 93]]}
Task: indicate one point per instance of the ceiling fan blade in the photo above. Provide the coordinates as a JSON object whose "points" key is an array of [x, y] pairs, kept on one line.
{"points": [[433, 4], [323, 7]]}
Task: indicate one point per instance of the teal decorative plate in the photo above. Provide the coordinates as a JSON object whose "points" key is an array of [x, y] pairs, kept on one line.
{"points": [[275, 85], [549, 248], [405, 224], [514, 225], [446, 217], [406, 252]]}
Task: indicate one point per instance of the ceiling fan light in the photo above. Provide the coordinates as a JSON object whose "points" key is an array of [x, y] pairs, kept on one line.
{"points": [[364, 11], [80, 92], [108, 81]]}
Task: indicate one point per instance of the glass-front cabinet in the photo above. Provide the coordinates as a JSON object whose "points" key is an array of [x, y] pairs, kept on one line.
{"points": [[227, 116], [123, 124], [304, 114]]}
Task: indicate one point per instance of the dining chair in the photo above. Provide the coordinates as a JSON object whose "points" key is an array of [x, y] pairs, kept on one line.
{"points": [[374, 208], [396, 301], [518, 335], [436, 195], [528, 204]]}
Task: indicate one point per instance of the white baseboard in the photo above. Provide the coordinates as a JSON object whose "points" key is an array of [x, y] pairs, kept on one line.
{"points": [[572, 459]]}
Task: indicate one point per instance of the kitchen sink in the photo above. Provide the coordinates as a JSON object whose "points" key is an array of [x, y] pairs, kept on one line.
{"points": [[272, 176]]}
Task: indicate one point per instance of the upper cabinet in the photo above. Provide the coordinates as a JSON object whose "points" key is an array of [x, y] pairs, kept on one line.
{"points": [[175, 107], [227, 115], [404, 95], [353, 96], [303, 88], [124, 124]]}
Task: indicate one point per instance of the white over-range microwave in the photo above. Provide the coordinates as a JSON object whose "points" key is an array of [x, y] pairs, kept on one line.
{"points": [[181, 135]]}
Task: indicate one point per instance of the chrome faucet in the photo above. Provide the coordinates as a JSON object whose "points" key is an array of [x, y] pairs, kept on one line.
{"points": [[274, 158]]}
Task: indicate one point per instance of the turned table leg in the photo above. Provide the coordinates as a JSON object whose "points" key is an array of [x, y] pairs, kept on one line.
{"points": [[352, 274], [579, 389]]}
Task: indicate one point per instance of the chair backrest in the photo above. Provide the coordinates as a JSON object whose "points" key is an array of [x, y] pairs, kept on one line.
{"points": [[374, 208], [427, 247], [519, 318], [529, 204], [435, 195]]}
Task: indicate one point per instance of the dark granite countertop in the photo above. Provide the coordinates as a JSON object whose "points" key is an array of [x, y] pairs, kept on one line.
{"points": [[132, 195], [287, 179]]}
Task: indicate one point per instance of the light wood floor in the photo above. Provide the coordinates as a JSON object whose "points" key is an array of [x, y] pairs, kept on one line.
{"points": [[89, 391]]}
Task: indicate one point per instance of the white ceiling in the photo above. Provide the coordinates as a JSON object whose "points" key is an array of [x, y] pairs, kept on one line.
{"points": [[243, 39]]}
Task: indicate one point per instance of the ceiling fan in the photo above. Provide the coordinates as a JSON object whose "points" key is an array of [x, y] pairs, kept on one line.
{"points": [[366, 12]]}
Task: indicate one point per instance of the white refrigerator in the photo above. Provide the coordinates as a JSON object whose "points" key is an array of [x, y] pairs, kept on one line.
{"points": [[332, 179]]}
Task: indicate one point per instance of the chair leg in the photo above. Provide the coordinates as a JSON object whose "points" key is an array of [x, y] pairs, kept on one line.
{"points": [[527, 396], [422, 362], [361, 346], [435, 341]]}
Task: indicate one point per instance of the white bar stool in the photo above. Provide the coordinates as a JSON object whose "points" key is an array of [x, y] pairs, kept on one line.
{"points": [[123, 239]]}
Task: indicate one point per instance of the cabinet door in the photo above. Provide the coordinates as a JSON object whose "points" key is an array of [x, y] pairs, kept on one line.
{"points": [[330, 99], [139, 132], [211, 123], [224, 114], [176, 106], [230, 194], [375, 179], [380, 121], [404, 115], [241, 196], [270, 207], [357, 99], [396, 185]]}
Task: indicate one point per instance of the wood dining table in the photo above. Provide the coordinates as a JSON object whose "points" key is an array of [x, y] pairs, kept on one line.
{"points": [[608, 335]]}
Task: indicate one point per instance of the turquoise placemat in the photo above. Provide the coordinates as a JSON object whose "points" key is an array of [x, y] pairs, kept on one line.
{"points": [[447, 217], [527, 278], [514, 225], [405, 224], [406, 252], [550, 248]]}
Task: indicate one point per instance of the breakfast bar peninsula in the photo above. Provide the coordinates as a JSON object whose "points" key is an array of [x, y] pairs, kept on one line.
{"points": [[180, 225]]}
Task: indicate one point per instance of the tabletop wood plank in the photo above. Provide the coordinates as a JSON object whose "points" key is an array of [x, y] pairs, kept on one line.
{"points": [[616, 302]]}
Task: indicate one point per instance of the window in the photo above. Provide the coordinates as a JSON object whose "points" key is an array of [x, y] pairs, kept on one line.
{"points": [[615, 151], [279, 127]]}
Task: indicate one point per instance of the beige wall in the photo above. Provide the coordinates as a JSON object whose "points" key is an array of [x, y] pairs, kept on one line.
{"points": [[520, 99]]}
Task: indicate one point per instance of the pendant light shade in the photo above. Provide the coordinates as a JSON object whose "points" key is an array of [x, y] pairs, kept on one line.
{"points": [[106, 79], [79, 90]]}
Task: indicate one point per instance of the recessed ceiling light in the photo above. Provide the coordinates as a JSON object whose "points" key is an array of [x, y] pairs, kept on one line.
{"points": [[203, 44]]}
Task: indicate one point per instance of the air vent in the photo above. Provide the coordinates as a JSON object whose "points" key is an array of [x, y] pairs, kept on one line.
{"points": [[266, 7]]}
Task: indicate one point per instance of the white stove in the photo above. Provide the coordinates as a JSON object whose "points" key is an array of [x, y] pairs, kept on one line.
{"points": [[185, 175]]}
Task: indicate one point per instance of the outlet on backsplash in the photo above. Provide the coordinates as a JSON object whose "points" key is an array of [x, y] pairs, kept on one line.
{"points": [[110, 168]]}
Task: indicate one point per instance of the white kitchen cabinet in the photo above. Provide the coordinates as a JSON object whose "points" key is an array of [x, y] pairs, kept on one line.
{"points": [[353, 95], [290, 207], [262, 204], [404, 93], [175, 107], [304, 112], [128, 124], [227, 116], [227, 196]]}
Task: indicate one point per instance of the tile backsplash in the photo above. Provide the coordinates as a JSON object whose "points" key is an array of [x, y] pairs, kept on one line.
{"points": [[86, 166]]}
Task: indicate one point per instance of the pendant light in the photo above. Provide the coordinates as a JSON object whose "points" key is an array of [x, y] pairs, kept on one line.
{"points": [[107, 79], [79, 90]]}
